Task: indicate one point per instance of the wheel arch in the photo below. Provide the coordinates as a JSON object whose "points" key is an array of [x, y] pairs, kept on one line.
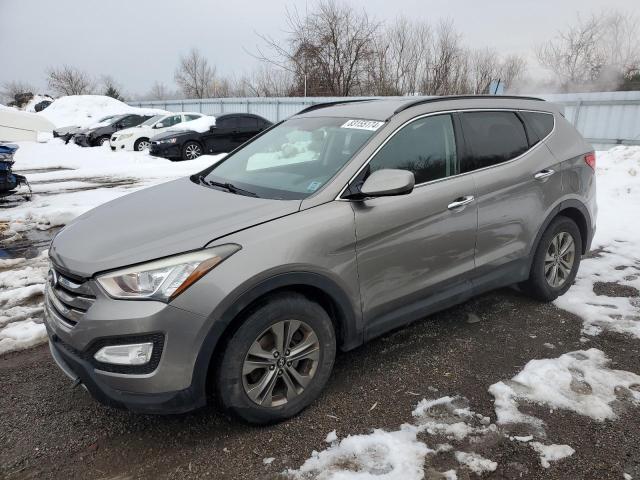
{"points": [[576, 211], [192, 140], [316, 287]]}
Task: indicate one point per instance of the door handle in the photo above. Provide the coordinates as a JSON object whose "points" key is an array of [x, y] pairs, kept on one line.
{"points": [[542, 174], [460, 202]]}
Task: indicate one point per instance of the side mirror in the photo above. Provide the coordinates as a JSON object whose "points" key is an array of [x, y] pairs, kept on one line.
{"points": [[388, 182], [158, 125]]}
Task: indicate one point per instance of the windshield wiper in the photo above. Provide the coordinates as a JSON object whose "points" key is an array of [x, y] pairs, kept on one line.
{"points": [[230, 187]]}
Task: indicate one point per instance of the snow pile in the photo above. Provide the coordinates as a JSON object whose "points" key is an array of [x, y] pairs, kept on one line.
{"points": [[21, 291], [617, 234], [382, 455], [476, 463], [551, 453], [578, 381], [84, 110], [200, 125], [400, 454]]}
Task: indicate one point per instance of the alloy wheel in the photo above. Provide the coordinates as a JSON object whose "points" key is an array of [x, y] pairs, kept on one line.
{"points": [[143, 145], [192, 151], [280, 363], [559, 259]]}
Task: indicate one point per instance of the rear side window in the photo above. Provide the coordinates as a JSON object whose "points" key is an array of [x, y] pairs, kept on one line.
{"points": [[426, 147], [540, 124], [191, 117], [492, 138], [228, 122], [249, 122]]}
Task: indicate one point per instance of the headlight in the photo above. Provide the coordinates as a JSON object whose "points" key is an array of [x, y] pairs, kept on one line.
{"points": [[169, 140], [125, 135], [164, 279]]}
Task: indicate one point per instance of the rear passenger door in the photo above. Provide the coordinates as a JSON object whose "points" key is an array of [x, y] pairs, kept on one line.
{"points": [[517, 183], [248, 127], [416, 250]]}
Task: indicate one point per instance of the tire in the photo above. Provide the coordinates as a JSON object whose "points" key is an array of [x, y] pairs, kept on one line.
{"points": [[191, 150], [239, 373], [101, 141], [141, 144], [539, 285]]}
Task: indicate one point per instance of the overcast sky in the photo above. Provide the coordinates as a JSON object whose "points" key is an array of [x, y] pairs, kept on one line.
{"points": [[140, 41]]}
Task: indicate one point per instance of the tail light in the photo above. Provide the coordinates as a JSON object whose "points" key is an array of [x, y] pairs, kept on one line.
{"points": [[590, 159]]}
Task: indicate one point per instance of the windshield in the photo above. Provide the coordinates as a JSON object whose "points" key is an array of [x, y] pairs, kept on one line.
{"points": [[152, 120], [294, 159], [108, 117]]}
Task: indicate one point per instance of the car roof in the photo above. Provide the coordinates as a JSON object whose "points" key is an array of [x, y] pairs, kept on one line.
{"points": [[382, 109], [240, 114]]}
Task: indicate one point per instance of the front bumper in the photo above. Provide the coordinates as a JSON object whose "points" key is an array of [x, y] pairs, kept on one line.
{"points": [[117, 144], [80, 371], [167, 384], [172, 151], [82, 141]]}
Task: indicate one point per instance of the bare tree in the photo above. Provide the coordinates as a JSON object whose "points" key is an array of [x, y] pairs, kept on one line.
{"points": [[159, 91], [327, 50], [9, 90], [512, 69], [484, 67], [446, 70], [68, 80], [194, 76], [574, 56], [265, 81]]}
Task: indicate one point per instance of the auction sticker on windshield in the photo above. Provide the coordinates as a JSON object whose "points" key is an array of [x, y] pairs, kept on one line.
{"points": [[363, 124]]}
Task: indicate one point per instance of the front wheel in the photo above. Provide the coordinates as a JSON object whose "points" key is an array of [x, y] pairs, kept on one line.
{"points": [[191, 151], [278, 361], [141, 144], [556, 261], [102, 141]]}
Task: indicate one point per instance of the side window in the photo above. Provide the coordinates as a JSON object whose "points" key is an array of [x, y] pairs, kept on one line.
{"points": [[493, 137], [171, 121], [130, 121], [540, 123], [426, 146], [249, 122], [188, 118], [227, 122]]}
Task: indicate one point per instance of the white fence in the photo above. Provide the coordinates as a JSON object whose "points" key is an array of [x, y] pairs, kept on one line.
{"points": [[603, 118]]}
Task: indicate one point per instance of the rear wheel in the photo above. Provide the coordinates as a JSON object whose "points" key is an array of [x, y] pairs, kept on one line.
{"points": [[556, 261], [141, 144], [278, 361], [191, 150]]}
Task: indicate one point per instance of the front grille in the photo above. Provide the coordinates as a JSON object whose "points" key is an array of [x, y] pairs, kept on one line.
{"points": [[68, 298], [88, 354]]}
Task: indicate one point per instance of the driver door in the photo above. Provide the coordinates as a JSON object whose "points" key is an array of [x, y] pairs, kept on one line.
{"points": [[415, 251]]}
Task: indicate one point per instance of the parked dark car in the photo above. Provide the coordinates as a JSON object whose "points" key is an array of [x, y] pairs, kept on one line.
{"points": [[100, 133], [229, 132]]}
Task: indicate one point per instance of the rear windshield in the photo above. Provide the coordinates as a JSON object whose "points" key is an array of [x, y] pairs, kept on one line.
{"points": [[296, 158]]}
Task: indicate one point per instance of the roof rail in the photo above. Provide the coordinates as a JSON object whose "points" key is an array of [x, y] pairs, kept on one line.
{"points": [[317, 106], [460, 97]]}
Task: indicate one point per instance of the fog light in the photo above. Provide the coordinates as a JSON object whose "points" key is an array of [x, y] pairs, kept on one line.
{"points": [[134, 354]]}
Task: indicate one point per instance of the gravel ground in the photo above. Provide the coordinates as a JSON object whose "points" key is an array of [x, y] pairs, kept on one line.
{"points": [[48, 430]]}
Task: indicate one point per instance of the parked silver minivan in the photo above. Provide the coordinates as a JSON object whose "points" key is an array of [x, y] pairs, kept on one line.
{"points": [[345, 221]]}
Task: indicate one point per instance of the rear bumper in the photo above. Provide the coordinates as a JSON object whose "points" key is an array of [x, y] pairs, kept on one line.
{"points": [[78, 370]]}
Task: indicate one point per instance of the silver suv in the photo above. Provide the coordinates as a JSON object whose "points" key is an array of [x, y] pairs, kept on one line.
{"points": [[330, 228]]}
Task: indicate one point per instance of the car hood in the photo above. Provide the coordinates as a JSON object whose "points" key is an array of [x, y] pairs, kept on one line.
{"points": [[133, 130], [173, 133], [155, 222], [69, 129]]}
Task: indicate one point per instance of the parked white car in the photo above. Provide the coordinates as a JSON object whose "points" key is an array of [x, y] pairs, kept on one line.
{"points": [[137, 138]]}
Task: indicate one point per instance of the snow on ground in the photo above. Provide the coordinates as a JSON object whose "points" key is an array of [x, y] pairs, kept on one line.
{"points": [[618, 238], [67, 180], [551, 453], [83, 110], [577, 381]]}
